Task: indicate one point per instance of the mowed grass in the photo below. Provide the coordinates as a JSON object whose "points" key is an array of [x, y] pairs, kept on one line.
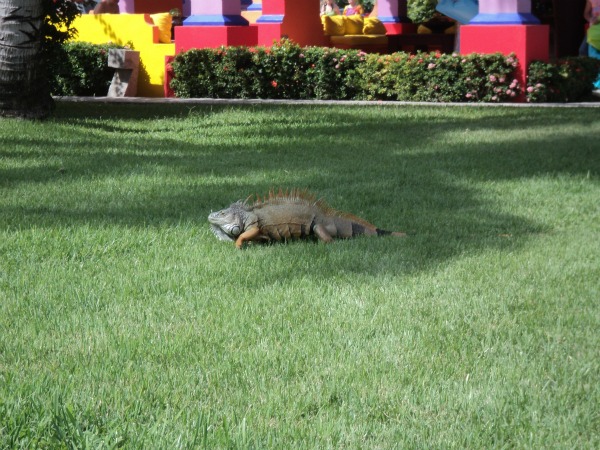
{"points": [[125, 323]]}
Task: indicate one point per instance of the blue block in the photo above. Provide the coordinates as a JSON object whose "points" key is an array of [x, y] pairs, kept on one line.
{"points": [[393, 19], [270, 18], [505, 19], [215, 20]]}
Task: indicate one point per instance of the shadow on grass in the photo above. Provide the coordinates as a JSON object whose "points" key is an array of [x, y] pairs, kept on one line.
{"points": [[399, 174]]}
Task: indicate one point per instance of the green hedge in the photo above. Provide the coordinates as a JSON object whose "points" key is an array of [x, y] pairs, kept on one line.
{"points": [[287, 71], [568, 80], [284, 71], [80, 69], [439, 77]]}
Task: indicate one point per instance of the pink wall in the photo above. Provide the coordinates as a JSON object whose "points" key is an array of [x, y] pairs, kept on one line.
{"points": [[127, 6], [217, 7], [391, 8], [504, 6]]}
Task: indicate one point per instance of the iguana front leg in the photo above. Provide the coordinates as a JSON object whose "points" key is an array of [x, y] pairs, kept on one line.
{"points": [[248, 235], [322, 233]]}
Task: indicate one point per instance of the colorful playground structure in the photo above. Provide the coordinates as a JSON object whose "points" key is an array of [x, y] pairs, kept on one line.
{"points": [[489, 26]]}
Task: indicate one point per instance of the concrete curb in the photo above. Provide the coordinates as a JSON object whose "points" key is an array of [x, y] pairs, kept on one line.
{"points": [[223, 101]]}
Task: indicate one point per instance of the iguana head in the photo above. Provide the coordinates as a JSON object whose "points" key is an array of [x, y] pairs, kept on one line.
{"points": [[227, 224]]}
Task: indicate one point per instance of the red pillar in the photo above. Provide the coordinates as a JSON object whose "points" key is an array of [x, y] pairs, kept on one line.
{"points": [[297, 20], [506, 26], [527, 42], [214, 23]]}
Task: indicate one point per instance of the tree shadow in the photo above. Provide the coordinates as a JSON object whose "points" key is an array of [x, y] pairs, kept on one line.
{"points": [[400, 179]]}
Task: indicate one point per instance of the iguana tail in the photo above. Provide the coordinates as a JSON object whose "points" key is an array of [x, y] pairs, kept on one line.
{"points": [[381, 232], [362, 227]]}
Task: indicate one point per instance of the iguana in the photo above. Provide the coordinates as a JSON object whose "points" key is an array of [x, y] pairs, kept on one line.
{"points": [[285, 216]]}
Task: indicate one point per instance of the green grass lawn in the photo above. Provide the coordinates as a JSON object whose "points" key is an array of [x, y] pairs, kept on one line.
{"points": [[124, 322]]}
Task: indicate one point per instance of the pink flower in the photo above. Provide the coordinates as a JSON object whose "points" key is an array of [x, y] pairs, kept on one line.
{"points": [[530, 89], [274, 83], [493, 78], [501, 79], [431, 66], [468, 95], [509, 92], [337, 66]]}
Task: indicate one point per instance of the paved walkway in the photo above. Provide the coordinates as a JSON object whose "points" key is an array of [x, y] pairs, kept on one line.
{"points": [[213, 101]]}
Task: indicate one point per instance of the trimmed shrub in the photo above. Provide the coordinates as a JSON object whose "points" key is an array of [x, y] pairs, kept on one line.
{"points": [[80, 69], [568, 80], [287, 71], [436, 77], [283, 71], [333, 74]]}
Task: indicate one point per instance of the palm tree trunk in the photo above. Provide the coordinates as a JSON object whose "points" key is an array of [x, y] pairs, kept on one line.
{"points": [[23, 83]]}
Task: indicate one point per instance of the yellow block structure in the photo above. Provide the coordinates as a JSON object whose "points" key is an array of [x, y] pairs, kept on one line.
{"points": [[138, 31]]}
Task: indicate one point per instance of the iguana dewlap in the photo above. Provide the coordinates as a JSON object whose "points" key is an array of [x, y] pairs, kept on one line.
{"points": [[286, 216]]}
